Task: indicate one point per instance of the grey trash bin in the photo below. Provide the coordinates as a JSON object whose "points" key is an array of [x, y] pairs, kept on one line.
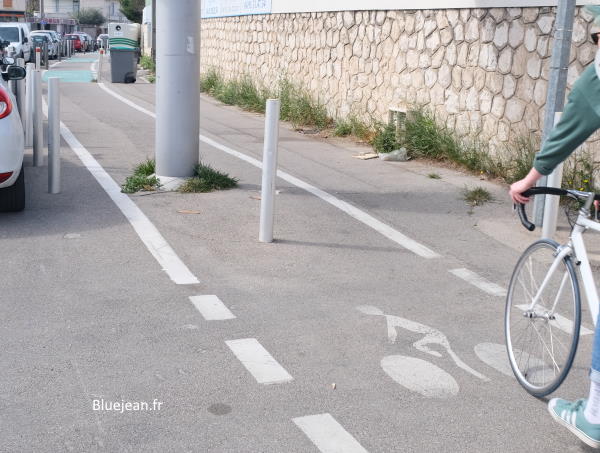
{"points": [[123, 65]]}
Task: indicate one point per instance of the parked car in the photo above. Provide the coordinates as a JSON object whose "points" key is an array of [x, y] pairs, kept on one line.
{"points": [[77, 42], [40, 40], [86, 41], [102, 41], [12, 146], [17, 34], [53, 41]]}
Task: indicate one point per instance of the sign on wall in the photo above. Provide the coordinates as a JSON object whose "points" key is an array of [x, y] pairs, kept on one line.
{"points": [[221, 8]]}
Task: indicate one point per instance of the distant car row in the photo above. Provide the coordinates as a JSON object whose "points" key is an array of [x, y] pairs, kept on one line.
{"points": [[23, 41]]}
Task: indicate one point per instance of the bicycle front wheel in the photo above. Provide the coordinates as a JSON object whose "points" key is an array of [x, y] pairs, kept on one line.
{"points": [[541, 340]]}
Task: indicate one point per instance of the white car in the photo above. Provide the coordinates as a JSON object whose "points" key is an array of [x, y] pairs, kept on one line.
{"points": [[17, 33], [12, 146]]}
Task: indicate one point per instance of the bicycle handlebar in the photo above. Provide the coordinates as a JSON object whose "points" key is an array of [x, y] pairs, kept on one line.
{"points": [[548, 191]]}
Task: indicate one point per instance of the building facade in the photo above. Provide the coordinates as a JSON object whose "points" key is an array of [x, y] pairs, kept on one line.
{"points": [[12, 10]]}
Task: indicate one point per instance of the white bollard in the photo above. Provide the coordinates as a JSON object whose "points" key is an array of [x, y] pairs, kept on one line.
{"points": [[54, 135], [21, 92], [29, 105], [551, 201], [38, 58], [269, 171], [100, 61], [38, 131]]}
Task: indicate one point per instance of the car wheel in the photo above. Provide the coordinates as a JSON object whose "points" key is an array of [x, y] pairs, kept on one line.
{"points": [[12, 199]]}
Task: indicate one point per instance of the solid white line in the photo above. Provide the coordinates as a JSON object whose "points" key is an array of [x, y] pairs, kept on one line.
{"points": [[352, 211], [145, 229], [478, 281], [328, 435], [258, 361], [211, 307]]}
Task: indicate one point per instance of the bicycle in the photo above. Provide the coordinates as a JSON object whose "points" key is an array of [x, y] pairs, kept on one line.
{"points": [[542, 319]]}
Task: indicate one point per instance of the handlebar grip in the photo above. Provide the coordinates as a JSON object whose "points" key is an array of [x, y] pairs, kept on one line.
{"points": [[523, 216]]}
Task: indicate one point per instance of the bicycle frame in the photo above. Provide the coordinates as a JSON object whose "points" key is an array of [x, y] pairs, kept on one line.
{"points": [[575, 247]]}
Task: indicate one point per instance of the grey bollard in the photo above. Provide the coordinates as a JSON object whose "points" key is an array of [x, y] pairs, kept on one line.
{"points": [[30, 67], [54, 135], [21, 92], [38, 131], [269, 171]]}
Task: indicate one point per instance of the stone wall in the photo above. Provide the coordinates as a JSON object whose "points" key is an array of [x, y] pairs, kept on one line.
{"points": [[481, 70]]}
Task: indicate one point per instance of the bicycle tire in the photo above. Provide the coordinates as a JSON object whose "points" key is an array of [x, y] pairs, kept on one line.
{"points": [[530, 362]]}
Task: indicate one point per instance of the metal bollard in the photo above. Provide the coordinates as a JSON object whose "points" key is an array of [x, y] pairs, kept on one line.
{"points": [[21, 92], [46, 56], [54, 135], [38, 58], [38, 131], [269, 171], [30, 67]]}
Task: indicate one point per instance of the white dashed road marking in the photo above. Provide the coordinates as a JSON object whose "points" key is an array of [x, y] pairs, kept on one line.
{"points": [[352, 211], [212, 308], [145, 229], [479, 282], [258, 361], [328, 435]]}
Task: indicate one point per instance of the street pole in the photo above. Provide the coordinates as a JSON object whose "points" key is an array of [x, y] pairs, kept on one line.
{"points": [[557, 84], [42, 26], [154, 30], [54, 135], [177, 90]]}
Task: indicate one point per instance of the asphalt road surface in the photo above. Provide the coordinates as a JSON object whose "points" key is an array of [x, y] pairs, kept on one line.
{"points": [[311, 343]]}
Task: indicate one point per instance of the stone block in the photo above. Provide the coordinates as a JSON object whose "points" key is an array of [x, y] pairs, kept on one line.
{"points": [[468, 77], [519, 65], [498, 106], [488, 28], [509, 87], [494, 82], [412, 59], [453, 17], [545, 24], [472, 30], [433, 41], [490, 126], [497, 14], [441, 19], [395, 30], [437, 95], [429, 27], [473, 57], [580, 33], [514, 111], [530, 41], [457, 77], [430, 77], [516, 33], [534, 66], [400, 62], [540, 92], [479, 79], [452, 102], [543, 46], [462, 56], [445, 75], [485, 102], [514, 13], [530, 15], [586, 54], [451, 54], [459, 32], [380, 17]]}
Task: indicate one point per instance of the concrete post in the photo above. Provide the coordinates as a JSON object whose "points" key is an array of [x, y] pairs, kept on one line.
{"points": [[38, 132], [29, 104], [557, 84], [177, 89], [100, 61], [269, 171], [54, 135]]}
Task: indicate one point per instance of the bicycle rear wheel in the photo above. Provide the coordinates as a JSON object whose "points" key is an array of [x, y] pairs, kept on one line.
{"points": [[542, 342]]}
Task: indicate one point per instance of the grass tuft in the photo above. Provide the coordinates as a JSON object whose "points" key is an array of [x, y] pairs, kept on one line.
{"points": [[385, 141], [147, 62], [142, 179], [434, 176], [207, 179], [477, 196]]}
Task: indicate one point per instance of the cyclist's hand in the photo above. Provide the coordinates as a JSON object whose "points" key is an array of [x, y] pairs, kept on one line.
{"points": [[517, 188]]}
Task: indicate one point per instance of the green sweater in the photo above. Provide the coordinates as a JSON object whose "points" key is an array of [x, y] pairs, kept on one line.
{"points": [[580, 119]]}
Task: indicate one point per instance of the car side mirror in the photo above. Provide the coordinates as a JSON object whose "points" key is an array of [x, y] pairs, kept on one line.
{"points": [[25, 40], [14, 73], [8, 61]]}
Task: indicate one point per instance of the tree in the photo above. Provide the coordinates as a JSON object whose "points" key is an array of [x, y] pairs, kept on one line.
{"points": [[133, 9], [90, 16]]}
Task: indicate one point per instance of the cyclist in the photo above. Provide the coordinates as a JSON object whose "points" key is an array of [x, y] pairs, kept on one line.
{"points": [[580, 119]]}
